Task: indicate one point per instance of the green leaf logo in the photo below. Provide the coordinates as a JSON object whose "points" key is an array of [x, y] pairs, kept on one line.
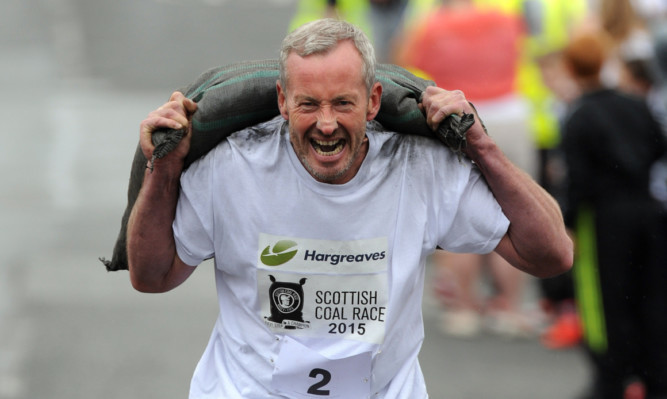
{"points": [[281, 253]]}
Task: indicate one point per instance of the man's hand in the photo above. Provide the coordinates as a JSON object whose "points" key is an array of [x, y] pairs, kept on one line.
{"points": [[439, 103], [175, 114], [151, 251]]}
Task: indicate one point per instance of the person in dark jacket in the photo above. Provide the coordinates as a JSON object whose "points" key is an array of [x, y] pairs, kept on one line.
{"points": [[610, 142]]}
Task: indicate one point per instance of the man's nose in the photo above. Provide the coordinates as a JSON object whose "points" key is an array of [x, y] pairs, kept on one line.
{"points": [[326, 121]]}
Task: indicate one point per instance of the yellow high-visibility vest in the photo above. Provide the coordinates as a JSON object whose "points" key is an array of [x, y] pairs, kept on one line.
{"points": [[352, 11]]}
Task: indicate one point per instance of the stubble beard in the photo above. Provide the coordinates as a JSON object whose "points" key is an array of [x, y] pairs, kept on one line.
{"points": [[335, 175], [328, 177]]}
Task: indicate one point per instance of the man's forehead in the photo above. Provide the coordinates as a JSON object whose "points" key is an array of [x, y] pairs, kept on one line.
{"points": [[338, 66], [346, 45], [343, 54]]}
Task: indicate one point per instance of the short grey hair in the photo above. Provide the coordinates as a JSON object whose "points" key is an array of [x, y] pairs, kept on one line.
{"points": [[322, 36]]}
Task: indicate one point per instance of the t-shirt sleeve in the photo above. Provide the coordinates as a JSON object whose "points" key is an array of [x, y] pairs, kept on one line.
{"points": [[193, 221], [478, 223]]}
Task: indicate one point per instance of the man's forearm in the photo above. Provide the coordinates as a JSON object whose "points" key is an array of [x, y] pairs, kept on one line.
{"points": [[537, 231], [150, 240]]}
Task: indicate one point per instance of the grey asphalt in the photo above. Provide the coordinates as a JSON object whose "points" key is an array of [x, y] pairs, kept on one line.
{"points": [[77, 77]]}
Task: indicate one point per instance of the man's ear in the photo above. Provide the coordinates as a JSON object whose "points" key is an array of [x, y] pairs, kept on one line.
{"points": [[282, 100], [374, 101]]}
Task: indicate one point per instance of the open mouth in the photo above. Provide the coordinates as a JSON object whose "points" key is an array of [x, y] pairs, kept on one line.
{"points": [[328, 148]]}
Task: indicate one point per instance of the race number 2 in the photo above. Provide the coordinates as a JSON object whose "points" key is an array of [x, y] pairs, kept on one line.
{"points": [[317, 388], [301, 372]]}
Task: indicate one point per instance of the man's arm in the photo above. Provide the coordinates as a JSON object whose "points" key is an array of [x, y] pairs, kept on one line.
{"points": [[536, 241], [152, 260]]}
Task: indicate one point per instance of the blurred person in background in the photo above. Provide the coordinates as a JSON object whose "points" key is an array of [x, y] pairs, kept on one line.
{"points": [[611, 141], [656, 97], [381, 20], [387, 18], [642, 73], [353, 11], [638, 50], [477, 50], [637, 47], [626, 30]]}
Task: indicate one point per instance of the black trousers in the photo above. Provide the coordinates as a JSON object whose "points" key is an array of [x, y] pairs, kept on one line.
{"points": [[631, 242]]}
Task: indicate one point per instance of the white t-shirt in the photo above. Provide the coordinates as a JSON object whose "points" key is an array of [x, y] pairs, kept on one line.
{"points": [[320, 285]]}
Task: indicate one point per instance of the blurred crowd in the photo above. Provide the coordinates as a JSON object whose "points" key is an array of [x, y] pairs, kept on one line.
{"points": [[575, 93]]}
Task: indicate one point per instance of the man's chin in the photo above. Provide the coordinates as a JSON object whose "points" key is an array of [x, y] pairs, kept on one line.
{"points": [[325, 174]]}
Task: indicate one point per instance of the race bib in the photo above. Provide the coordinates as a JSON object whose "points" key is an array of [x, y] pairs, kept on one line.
{"points": [[322, 288], [303, 373]]}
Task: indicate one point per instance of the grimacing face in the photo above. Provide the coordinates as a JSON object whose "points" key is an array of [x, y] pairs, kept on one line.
{"points": [[327, 105]]}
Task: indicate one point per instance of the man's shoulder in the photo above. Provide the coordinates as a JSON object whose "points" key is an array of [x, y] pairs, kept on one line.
{"points": [[248, 143], [260, 132], [375, 128], [415, 154], [405, 141]]}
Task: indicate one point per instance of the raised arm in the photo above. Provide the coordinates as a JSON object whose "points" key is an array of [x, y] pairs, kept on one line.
{"points": [[537, 241], [152, 260]]}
